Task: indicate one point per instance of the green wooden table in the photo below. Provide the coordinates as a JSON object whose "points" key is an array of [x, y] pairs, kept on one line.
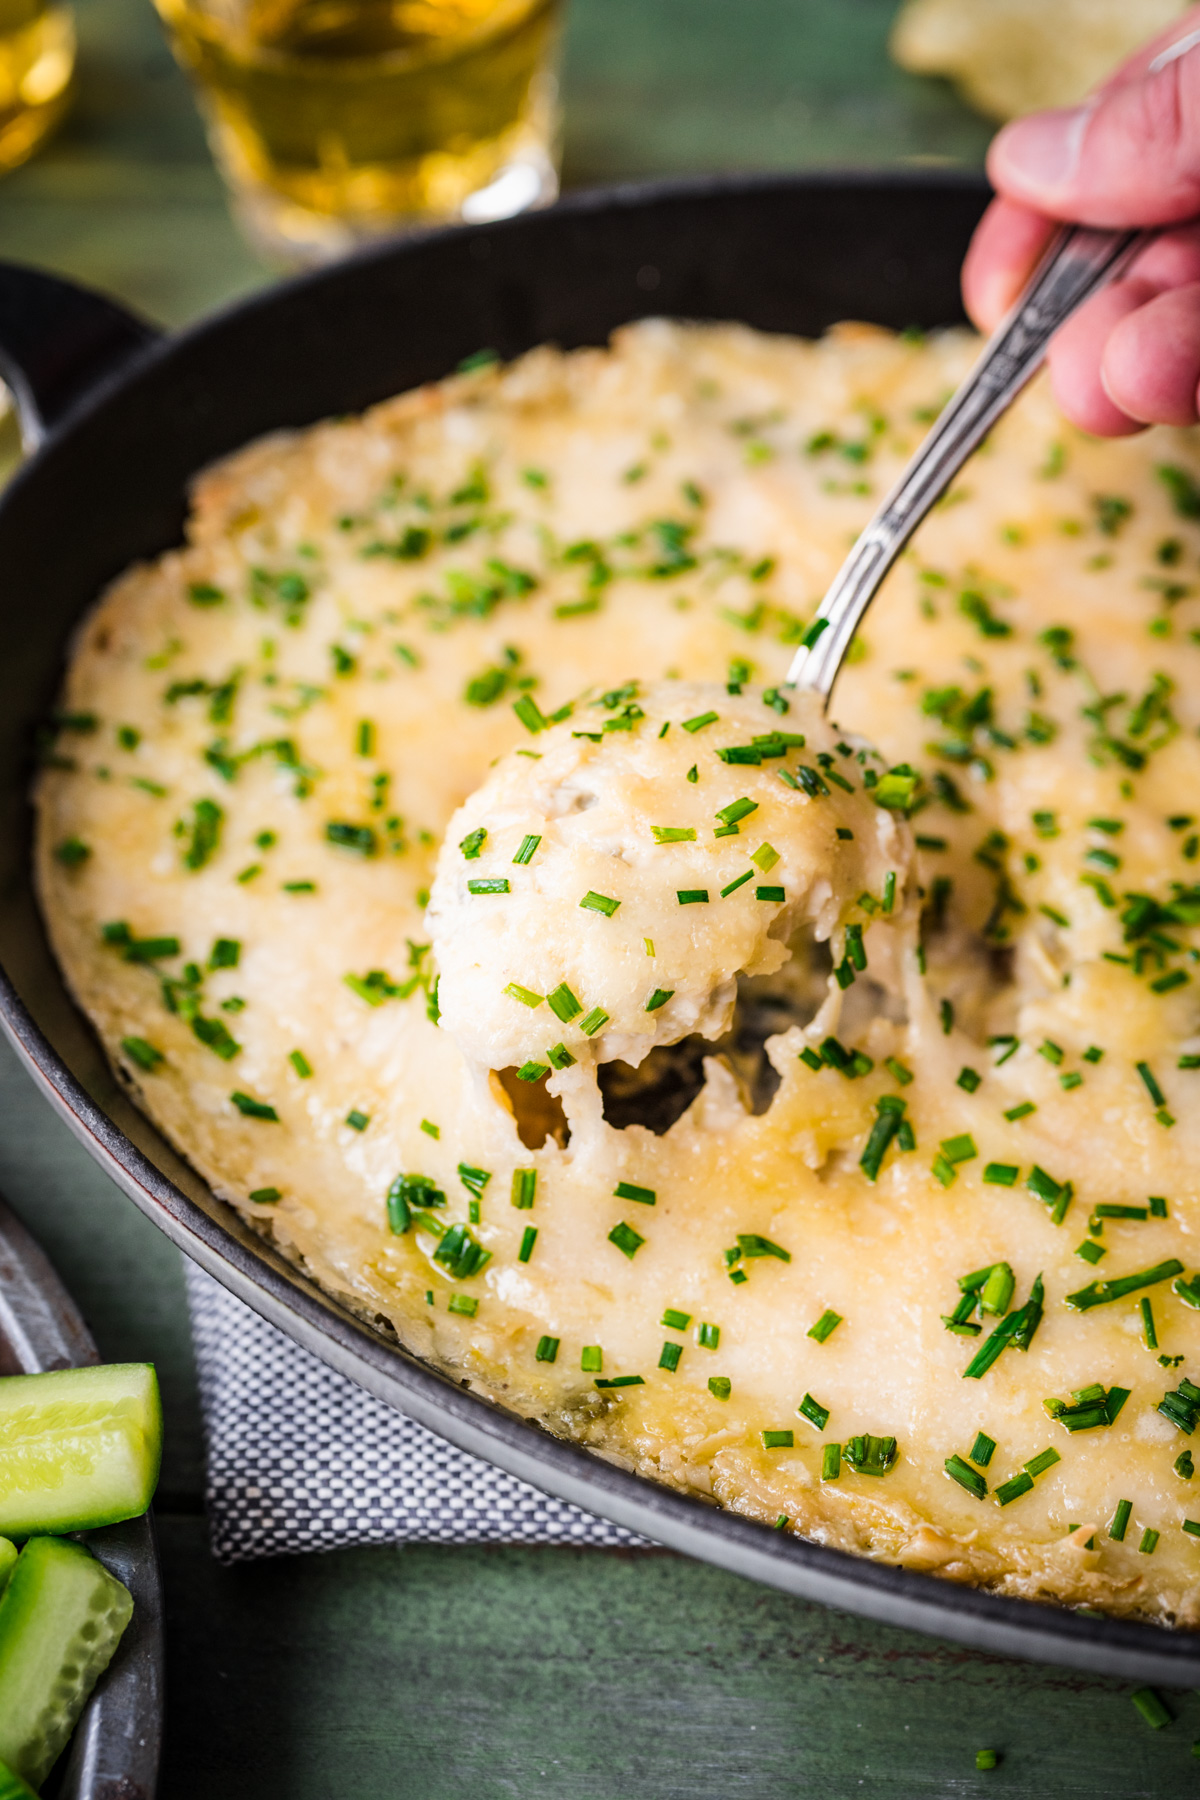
{"points": [[538, 1674]]}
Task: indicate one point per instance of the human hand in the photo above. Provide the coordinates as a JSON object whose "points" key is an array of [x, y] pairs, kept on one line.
{"points": [[1129, 156]]}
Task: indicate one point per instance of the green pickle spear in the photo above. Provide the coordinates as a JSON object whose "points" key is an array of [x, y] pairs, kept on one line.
{"points": [[8, 1557], [61, 1618], [79, 1448], [12, 1787]]}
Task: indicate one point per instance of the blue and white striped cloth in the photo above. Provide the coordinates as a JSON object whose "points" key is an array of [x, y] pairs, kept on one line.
{"points": [[301, 1458]]}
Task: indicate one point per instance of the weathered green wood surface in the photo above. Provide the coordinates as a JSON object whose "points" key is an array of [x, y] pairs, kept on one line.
{"points": [[555, 1674]]}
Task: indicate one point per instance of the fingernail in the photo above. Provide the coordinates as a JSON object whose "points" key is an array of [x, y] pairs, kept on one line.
{"points": [[1042, 151]]}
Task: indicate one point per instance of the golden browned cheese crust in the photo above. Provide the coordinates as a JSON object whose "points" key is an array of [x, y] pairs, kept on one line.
{"points": [[265, 735]]}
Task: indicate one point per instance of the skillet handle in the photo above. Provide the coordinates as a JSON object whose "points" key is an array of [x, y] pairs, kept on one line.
{"points": [[58, 341]]}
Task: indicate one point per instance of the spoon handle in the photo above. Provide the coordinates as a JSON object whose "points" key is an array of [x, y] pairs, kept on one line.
{"points": [[1077, 263]]}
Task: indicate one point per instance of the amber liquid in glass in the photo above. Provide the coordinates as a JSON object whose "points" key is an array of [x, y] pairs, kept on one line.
{"points": [[334, 120], [37, 59]]}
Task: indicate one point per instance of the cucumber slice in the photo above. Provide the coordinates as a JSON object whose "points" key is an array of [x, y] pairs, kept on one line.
{"points": [[12, 1787], [8, 1556], [61, 1618], [78, 1447]]}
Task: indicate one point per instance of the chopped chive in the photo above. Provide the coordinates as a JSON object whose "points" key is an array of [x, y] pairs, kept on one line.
{"points": [[266, 1196], [831, 1462], [996, 1294], [563, 1004], [674, 1320], [708, 1337], [983, 1449], [659, 998], [720, 1387], [559, 1057], [1192, 1527], [254, 1109], [1149, 1334], [765, 858], [968, 1079], [885, 1128], [691, 896], [524, 1187], [946, 1015], [629, 1190], [1020, 1112], [1120, 1521], [357, 1121], [1001, 1174], [473, 843], [669, 1356], [897, 1071], [825, 1326], [1152, 1088], [525, 995], [620, 1381], [1148, 1546], [601, 903], [547, 1349], [532, 1071], [966, 1477], [674, 834], [594, 1020], [693, 774], [474, 1180], [959, 1149], [1090, 1251], [809, 1056], [527, 847], [627, 1240], [528, 1240], [1108, 1210], [750, 1244], [301, 1065], [732, 888], [1100, 1293], [1146, 1700], [591, 1359], [775, 894], [1045, 1459], [139, 1051], [945, 1171], [814, 1412], [1012, 1490], [466, 1304], [530, 714], [777, 1440], [889, 891], [495, 885], [226, 953], [1158, 1206], [700, 721], [737, 809]]}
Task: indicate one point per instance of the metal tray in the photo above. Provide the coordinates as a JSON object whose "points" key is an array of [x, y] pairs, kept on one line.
{"points": [[115, 1750], [124, 418]]}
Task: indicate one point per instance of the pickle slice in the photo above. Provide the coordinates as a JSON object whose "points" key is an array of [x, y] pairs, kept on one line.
{"points": [[12, 1787], [78, 1447], [61, 1618]]}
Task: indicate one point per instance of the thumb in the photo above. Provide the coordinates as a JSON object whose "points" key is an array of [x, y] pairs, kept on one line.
{"points": [[1129, 156]]}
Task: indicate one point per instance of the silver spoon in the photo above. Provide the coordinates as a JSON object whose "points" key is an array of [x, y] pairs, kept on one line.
{"points": [[1077, 263]]}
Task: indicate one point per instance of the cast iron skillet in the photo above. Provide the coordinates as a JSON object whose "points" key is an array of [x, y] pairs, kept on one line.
{"points": [[125, 418]]}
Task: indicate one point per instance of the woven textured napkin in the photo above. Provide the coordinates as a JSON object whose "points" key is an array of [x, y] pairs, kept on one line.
{"points": [[301, 1458]]}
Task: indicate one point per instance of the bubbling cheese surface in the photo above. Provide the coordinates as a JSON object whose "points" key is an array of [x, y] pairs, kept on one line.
{"points": [[681, 890], [884, 1221]]}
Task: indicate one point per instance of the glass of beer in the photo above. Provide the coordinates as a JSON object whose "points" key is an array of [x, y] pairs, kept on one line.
{"points": [[336, 121], [37, 60]]}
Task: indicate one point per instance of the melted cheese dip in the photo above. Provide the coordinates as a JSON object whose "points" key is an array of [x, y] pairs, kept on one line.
{"points": [[859, 1236]]}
